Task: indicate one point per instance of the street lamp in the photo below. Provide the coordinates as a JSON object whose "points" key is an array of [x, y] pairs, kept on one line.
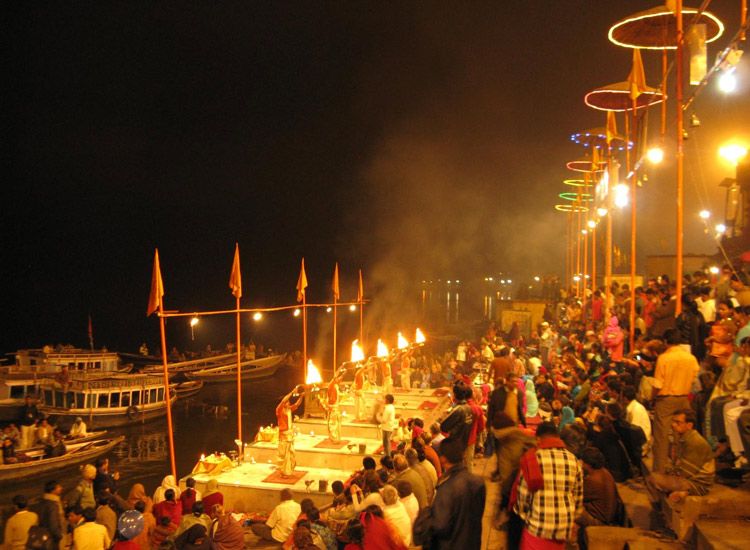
{"points": [[193, 321], [601, 211], [297, 312], [655, 155], [352, 308], [257, 316], [704, 214], [733, 152]]}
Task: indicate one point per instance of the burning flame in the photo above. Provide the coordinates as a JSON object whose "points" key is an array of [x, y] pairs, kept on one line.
{"points": [[419, 338], [357, 353], [203, 457], [403, 343], [313, 374], [382, 349]]}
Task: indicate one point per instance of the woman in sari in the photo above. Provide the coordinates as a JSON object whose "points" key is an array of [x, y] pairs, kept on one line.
{"points": [[167, 483], [138, 492]]}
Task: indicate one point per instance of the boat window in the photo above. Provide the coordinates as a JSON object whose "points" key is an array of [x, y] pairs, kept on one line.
{"points": [[70, 399], [115, 399], [80, 400], [90, 400], [17, 392], [103, 401], [161, 395], [152, 395], [97, 364], [59, 399], [125, 402], [137, 397], [48, 397]]}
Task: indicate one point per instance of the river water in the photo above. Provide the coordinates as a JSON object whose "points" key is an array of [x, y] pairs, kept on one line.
{"points": [[144, 455]]}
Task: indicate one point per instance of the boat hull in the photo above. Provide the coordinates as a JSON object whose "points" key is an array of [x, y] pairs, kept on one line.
{"points": [[24, 470], [106, 418], [257, 369]]}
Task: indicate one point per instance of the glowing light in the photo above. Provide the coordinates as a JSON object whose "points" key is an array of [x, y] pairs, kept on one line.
{"points": [[584, 232], [509, 281], [403, 343], [419, 337], [720, 228], [576, 278], [382, 349], [732, 152], [713, 270], [297, 312], [313, 374], [601, 211], [329, 309], [357, 353], [571, 208], [704, 214], [352, 308], [257, 316], [591, 224], [194, 321], [537, 279], [618, 32], [728, 81], [621, 195], [203, 457], [655, 155]]}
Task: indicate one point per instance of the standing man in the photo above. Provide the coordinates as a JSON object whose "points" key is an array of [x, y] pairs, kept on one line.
{"points": [[692, 468], [675, 372], [284, 411], [29, 417], [388, 423], [359, 388], [18, 525], [50, 512], [455, 518], [89, 535], [548, 494], [332, 408], [387, 375]]}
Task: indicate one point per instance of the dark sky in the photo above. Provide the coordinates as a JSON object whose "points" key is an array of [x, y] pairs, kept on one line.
{"points": [[411, 139]]}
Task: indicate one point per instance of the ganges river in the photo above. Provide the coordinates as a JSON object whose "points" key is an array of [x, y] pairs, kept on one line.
{"points": [[144, 455]]}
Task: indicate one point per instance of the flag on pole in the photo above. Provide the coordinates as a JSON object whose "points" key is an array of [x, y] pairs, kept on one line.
{"points": [[235, 279], [301, 283], [336, 293], [91, 333], [611, 126], [157, 287], [637, 76], [361, 289]]}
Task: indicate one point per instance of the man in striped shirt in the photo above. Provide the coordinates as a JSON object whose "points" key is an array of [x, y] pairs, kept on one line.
{"points": [[549, 492]]}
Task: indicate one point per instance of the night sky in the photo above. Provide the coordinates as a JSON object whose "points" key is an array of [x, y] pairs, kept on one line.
{"points": [[420, 140]]}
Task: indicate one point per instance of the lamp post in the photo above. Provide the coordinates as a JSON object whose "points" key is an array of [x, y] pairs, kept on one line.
{"points": [[193, 321]]}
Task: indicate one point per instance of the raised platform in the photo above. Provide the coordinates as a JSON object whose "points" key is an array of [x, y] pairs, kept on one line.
{"points": [[245, 487]]}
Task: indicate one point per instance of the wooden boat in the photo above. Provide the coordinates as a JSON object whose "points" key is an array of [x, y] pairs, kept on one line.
{"points": [[187, 388], [34, 366], [77, 453], [193, 364], [107, 401], [69, 441], [249, 370]]}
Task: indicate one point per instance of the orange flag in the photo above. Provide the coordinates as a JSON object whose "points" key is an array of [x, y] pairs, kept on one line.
{"points": [[361, 289], [301, 283], [157, 287], [611, 126], [235, 279], [336, 293], [637, 76]]}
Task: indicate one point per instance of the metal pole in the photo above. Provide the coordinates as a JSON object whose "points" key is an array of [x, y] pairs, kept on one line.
{"points": [[304, 335], [680, 156], [170, 429], [239, 378], [578, 244]]}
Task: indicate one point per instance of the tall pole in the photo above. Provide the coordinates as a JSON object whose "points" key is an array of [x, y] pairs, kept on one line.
{"points": [[585, 266], [239, 375], [680, 155], [304, 335], [361, 310], [166, 388], [633, 228], [578, 244], [593, 259]]}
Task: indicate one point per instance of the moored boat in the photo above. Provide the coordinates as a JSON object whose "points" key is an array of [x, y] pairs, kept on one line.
{"points": [[106, 401], [77, 453], [188, 388], [249, 370]]}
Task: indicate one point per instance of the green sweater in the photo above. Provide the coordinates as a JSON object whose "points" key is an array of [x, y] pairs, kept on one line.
{"points": [[694, 461]]}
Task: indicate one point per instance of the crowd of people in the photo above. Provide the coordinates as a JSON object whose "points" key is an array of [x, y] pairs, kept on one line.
{"points": [[95, 516]]}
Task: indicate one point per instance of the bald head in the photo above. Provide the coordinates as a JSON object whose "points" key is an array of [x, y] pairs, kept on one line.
{"points": [[399, 463]]}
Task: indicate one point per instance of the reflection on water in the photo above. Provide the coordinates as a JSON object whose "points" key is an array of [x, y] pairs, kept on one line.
{"points": [[144, 455]]}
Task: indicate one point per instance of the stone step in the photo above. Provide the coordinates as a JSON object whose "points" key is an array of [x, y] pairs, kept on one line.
{"points": [[722, 534], [318, 426]]}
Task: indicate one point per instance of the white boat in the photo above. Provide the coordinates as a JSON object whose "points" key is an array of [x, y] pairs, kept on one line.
{"points": [[33, 366], [249, 370], [106, 401]]}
